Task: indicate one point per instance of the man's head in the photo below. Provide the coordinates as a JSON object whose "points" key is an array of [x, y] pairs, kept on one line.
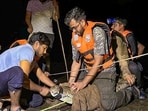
{"points": [[76, 20], [39, 42], [119, 24], [121, 21]]}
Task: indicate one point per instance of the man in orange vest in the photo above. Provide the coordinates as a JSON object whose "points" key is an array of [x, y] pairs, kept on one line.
{"points": [[91, 48], [134, 48]]}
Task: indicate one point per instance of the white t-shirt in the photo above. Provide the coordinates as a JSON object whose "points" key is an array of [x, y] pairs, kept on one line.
{"points": [[41, 19]]}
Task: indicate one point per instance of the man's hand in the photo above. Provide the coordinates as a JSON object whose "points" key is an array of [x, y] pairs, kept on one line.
{"points": [[30, 29], [130, 78], [47, 73], [71, 80], [44, 91], [78, 86]]}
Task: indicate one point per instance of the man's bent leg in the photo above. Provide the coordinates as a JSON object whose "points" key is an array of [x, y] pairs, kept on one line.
{"points": [[110, 99], [10, 80], [13, 82], [15, 98]]}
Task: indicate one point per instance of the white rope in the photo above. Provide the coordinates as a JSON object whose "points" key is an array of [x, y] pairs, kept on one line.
{"points": [[60, 73], [56, 105], [131, 58]]}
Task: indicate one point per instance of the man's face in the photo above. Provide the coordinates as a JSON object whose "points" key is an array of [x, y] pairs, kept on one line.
{"points": [[76, 27], [41, 49], [117, 26]]}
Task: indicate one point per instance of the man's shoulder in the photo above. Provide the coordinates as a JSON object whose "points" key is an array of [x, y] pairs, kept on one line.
{"points": [[33, 2], [27, 46]]}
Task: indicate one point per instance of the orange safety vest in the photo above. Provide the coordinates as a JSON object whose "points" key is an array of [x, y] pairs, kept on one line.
{"points": [[85, 45], [18, 42], [125, 33]]}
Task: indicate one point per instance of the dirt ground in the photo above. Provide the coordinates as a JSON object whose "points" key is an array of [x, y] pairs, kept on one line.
{"points": [[56, 105], [135, 105]]}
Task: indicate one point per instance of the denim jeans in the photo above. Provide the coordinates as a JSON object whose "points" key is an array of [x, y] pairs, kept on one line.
{"points": [[30, 98]]}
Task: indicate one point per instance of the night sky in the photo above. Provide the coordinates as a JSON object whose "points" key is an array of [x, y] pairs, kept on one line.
{"points": [[13, 25]]}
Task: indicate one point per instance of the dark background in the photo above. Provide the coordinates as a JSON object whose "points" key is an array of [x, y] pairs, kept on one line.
{"points": [[13, 24]]}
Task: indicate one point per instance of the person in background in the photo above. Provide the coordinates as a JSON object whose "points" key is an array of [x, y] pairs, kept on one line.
{"points": [[16, 65], [134, 48], [93, 53], [39, 18], [125, 77], [141, 48]]}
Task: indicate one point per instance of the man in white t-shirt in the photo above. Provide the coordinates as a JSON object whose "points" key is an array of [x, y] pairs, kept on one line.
{"points": [[39, 16]]}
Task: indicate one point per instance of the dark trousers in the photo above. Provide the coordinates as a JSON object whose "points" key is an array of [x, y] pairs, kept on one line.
{"points": [[106, 82], [30, 98], [11, 80], [136, 68]]}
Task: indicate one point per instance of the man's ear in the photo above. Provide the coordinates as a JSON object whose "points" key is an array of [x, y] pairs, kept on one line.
{"points": [[82, 22], [122, 25], [36, 44]]}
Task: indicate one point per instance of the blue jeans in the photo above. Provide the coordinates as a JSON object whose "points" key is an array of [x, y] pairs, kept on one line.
{"points": [[33, 99]]}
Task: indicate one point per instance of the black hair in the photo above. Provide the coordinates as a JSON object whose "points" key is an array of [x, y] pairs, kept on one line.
{"points": [[39, 36], [75, 13], [122, 20]]}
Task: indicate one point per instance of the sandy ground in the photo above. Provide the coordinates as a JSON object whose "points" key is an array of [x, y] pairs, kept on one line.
{"points": [[135, 105], [55, 105]]}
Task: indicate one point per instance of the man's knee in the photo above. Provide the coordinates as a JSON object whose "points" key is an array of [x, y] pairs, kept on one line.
{"points": [[107, 105], [133, 67], [37, 100]]}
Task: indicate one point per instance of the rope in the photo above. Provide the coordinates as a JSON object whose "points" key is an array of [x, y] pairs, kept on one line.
{"points": [[62, 47], [85, 69], [60, 73], [45, 109]]}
